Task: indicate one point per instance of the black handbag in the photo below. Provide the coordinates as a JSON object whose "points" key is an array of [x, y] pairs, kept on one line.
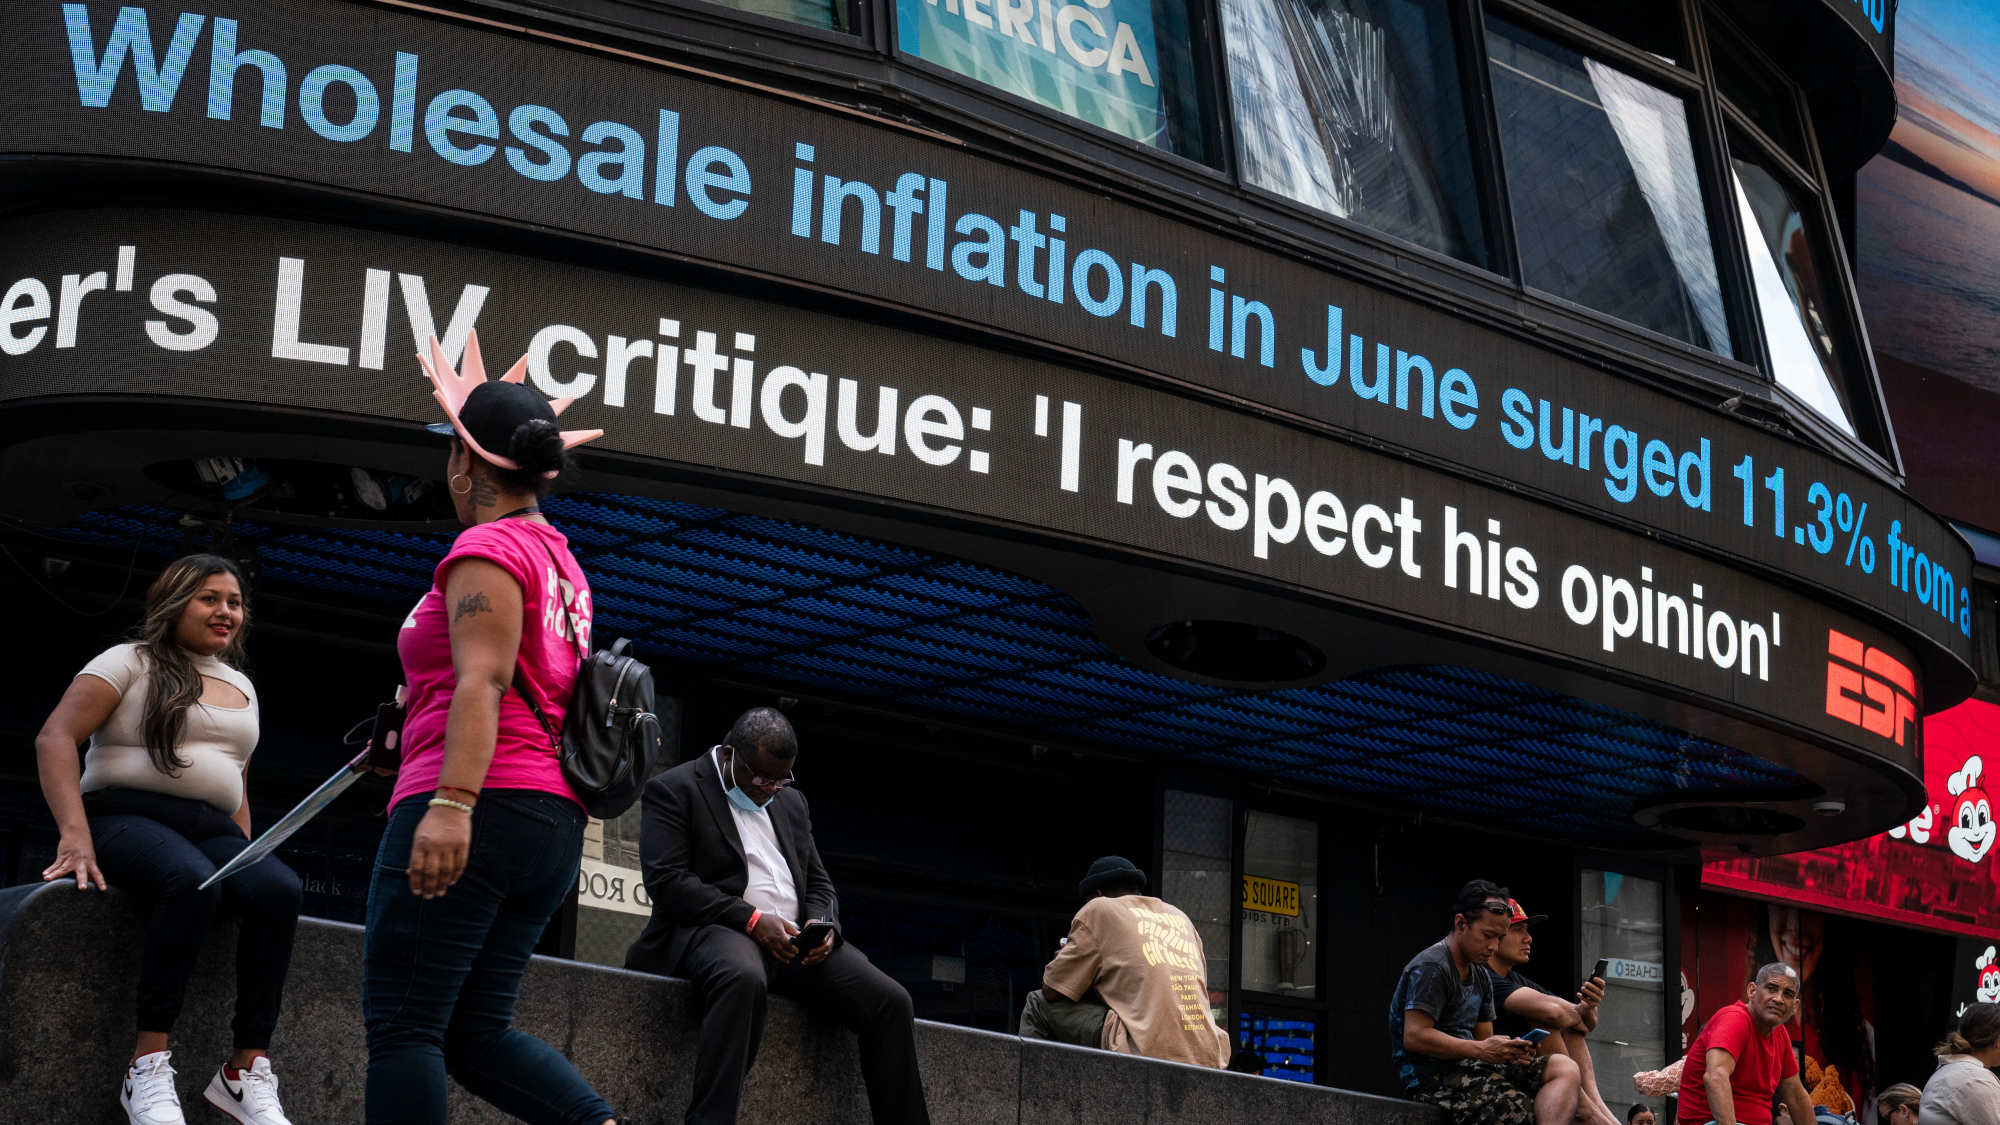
{"points": [[610, 741]]}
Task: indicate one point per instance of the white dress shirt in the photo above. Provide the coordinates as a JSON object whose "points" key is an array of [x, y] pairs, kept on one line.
{"points": [[771, 889]]}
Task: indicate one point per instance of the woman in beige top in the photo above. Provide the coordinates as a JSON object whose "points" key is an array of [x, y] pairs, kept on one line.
{"points": [[1963, 1091], [171, 722]]}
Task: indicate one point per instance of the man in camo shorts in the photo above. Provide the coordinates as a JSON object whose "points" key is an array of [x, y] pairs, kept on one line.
{"points": [[1441, 1029]]}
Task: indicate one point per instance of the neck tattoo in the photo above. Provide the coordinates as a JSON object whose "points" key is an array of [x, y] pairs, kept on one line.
{"points": [[485, 494]]}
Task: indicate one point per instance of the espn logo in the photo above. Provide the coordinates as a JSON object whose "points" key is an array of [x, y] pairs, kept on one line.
{"points": [[1869, 688]]}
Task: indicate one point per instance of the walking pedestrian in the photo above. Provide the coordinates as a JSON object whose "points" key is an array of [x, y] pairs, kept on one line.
{"points": [[484, 834], [161, 803]]}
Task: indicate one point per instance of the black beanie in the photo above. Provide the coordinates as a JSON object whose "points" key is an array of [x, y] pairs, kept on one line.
{"points": [[1110, 870]]}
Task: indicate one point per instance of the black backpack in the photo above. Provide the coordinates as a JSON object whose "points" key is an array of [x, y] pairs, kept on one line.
{"points": [[610, 740]]}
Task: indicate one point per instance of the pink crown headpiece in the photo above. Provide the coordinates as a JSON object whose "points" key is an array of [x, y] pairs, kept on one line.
{"points": [[451, 389]]}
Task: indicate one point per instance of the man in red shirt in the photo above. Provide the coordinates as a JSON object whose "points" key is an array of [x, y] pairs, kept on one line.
{"points": [[1744, 1057]]}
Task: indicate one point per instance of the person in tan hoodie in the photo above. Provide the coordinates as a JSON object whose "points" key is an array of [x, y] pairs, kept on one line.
{"points": [[1130, 977]]}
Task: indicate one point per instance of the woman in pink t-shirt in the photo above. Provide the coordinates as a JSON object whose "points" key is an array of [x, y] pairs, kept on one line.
{"points": [[484, 835]]}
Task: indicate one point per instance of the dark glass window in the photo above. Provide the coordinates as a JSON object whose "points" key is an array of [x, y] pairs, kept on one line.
{"points": [[1279, 916], [1752, 88], [1608, 209], [1653, 26], [1195, 863], [1795, 293], [1354, 107], [1123, 65], [831, 15]]}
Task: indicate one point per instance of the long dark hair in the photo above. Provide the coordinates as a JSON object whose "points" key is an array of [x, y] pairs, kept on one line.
{"points": [[173, 681]]}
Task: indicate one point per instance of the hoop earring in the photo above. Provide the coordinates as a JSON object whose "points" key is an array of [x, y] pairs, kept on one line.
{"points": [[457, 491]]}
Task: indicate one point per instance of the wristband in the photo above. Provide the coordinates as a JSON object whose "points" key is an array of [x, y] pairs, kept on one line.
{"points": [[448, 803], [752, 927]]}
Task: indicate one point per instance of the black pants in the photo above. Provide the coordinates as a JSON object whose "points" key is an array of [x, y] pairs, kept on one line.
{"points": [[735, 975], [161, 848], [440, 976]]}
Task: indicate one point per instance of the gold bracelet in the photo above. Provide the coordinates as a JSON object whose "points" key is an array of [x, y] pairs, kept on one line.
{"points": [[450, 804]]}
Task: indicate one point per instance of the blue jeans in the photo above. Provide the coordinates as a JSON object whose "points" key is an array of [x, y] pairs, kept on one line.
{"points": [[440, 976], [162, 849]]}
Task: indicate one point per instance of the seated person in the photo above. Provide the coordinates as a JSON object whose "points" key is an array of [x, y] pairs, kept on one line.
{"points": [[734, 874], [1441, 1029], [1522, 1006], [1742, 1061], [1132, 976], [1897, 1105]]}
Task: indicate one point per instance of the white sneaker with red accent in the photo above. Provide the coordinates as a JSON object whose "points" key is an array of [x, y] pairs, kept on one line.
{"points": [[148, 1095], [251, 1097]]}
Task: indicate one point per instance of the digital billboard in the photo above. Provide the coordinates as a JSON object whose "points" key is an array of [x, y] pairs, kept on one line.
{"points": [[1937, 871], [1929, 256], [506, 127], [182, 305]]}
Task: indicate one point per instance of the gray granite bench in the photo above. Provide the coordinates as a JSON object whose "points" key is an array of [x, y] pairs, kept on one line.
{"points": [[68, 971]]}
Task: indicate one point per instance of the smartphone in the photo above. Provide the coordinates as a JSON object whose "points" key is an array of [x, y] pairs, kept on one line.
{"points": [[1536, 1035], [1603, 963], [385, 742], [811, 936]]}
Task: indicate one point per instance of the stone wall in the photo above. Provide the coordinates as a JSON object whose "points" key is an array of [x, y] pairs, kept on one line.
{"points": [[68, 972]]}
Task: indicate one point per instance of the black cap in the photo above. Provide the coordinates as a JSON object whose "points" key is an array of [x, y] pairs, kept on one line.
{"points": [[1110, 870], [493, 411]]}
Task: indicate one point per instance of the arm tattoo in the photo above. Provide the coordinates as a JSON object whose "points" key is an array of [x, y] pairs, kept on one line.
{"points": [[485, 494], [471, 604]]}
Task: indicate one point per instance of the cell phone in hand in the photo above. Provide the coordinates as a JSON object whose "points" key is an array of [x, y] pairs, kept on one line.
{"points": [[385, 742], [1603, 964], [1536, 1035], [809, 938]]}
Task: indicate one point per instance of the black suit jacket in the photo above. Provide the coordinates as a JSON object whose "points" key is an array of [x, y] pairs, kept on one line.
{"points": [[694, 865]]}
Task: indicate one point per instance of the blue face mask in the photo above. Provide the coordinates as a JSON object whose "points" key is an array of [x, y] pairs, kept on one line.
{"points": [[737, 796], [741, 799]]}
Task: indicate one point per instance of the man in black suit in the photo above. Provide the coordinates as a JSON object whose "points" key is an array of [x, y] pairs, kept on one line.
{"points": [[732, 868]]}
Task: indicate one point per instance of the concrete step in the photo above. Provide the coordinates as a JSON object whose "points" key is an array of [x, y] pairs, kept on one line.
{"points": [[69, 971]]}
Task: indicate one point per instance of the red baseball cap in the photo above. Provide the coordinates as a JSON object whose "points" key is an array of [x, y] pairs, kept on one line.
{"points": [[1520, 915]]}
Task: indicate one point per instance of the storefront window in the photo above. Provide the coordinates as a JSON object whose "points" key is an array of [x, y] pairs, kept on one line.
{"points": [[1195, 877], [612, 907], [1280, 905], [1623, 921], [1123, 65], [1792, 292], [1354, 107], [1607, 205]]}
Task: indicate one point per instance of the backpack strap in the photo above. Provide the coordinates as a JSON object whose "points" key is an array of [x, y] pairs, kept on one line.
{"points": [[528, 696], [525, 690]]}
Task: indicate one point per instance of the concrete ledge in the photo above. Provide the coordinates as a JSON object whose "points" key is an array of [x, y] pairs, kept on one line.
{"points": [[69, 971]]}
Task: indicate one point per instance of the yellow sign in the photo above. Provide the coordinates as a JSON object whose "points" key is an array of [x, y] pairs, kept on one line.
{"points": [[1272, 896]]}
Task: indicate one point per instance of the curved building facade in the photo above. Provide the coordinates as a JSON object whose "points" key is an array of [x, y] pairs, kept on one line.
{"points": [[1314, 444]]}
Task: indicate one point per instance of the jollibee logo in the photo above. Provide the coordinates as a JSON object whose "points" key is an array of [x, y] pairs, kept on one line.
{"points": [[1918, 830], [1971, 832], [1869, 688], [1988, 990]]}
